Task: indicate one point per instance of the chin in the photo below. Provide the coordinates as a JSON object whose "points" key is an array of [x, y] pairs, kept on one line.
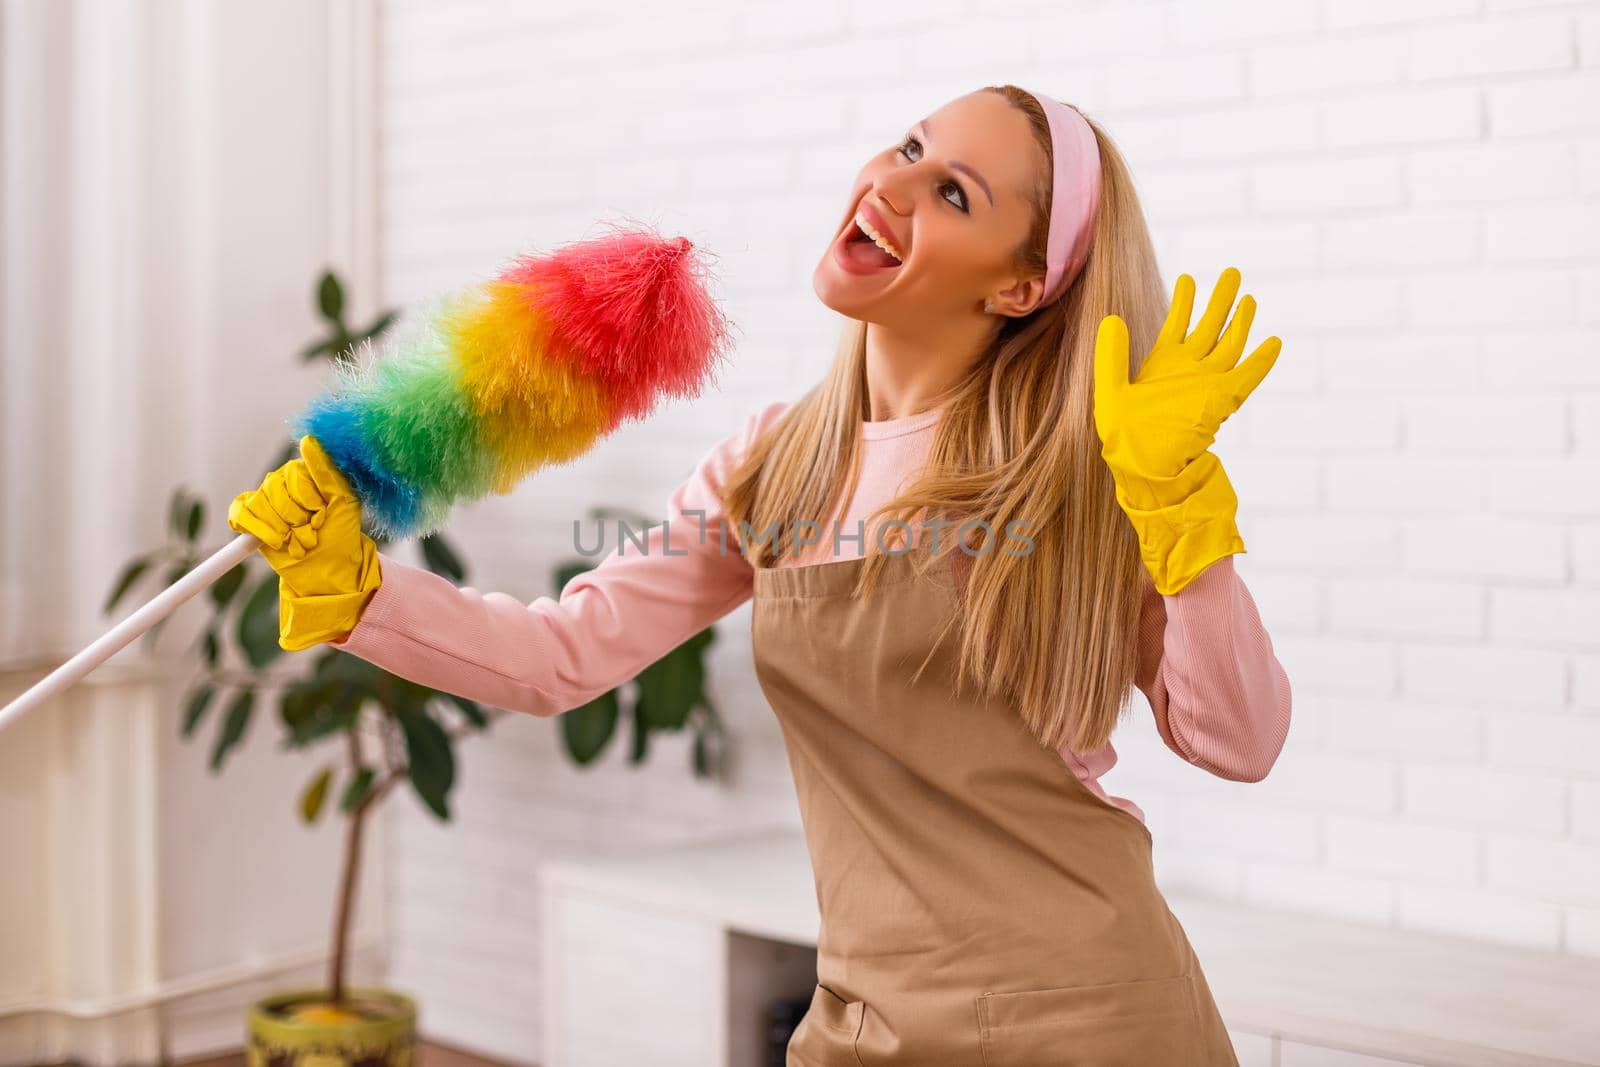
{"points": [[832, 294], [845, 294]]}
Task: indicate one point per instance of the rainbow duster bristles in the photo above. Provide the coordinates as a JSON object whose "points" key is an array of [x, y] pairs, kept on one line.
{"points": [[527, 370]]}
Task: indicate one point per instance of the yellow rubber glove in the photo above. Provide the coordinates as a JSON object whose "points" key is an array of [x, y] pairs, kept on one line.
{"points": [[309, 524], [1157, 430]]}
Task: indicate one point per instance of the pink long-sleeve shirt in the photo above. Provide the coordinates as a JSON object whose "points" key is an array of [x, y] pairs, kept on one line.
{"points": [[1220, 697]]}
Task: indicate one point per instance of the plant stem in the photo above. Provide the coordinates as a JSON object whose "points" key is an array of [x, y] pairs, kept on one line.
{"points": [[352, 868], [347, 885], [347, 880], [352, 849]]}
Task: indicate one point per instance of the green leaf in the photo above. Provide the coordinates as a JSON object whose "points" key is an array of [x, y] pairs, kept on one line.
{"points": [[380, 324], [671, 686], [430, 761], [632, 519], [154, 632], [223, 589], [195, 710], [356, 790], [210, 649], [700, 756], [342, 666], [179, 569], [258, 623], [640, 748], [330, 297], [332, 698], [313, 708], [586, 730], [178, 511], [130, 574], [356, 681], [569, 570], [315, 792], [234, 726], [440, 558], [324, 658], [289, 451], [469, 710], [175, 572], [197, 518], [710, 744], [342, 344], [312, 351]]}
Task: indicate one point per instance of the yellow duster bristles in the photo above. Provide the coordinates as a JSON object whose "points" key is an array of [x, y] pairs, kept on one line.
{"points": [[532, 410]]}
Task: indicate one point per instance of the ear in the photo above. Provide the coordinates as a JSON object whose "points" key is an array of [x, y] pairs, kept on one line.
{"points": [[1018, 299]]}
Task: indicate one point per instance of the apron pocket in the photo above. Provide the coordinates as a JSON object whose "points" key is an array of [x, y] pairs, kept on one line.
{"points": [[1123, 1024], [826, 1036]]}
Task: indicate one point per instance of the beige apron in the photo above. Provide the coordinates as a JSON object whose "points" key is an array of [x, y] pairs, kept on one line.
{"points": [[979, 904]]}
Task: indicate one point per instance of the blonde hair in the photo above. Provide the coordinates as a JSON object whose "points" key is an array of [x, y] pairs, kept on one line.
{"points": [[1053, 630]]}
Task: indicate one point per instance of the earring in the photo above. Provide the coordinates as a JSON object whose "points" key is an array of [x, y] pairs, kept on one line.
{"points": [[988, 307]]}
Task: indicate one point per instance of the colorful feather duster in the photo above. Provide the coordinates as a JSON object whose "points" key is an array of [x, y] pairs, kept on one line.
{"points": [[526, 370]]}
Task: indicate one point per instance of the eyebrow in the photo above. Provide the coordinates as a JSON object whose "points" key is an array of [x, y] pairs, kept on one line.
{"points": [[962, 167]]}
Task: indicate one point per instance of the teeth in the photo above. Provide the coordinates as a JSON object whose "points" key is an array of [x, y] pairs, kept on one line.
{"points": [[877, 238]]}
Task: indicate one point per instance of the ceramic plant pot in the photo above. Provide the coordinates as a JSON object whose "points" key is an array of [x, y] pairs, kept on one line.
{"points": [[369, 1028]]}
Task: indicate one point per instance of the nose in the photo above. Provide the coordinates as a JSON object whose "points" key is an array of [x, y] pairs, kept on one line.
{"points": [[890, 195], [892, 189]]}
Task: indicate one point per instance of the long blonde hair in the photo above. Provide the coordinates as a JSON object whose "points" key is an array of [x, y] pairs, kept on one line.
{"points": [[1053, 630]]}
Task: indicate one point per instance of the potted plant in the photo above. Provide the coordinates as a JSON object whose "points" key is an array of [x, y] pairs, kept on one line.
{"points": [[382, 731]]}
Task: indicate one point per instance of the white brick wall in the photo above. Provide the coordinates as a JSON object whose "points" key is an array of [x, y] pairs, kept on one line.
{"points": [[1413, 193]]}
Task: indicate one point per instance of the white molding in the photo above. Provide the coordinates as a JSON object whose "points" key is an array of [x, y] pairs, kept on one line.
{"points": [[190, 986], [197, 1015], [18, 677]]}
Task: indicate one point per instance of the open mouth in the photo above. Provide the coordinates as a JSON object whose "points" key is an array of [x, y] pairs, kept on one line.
{"points": [[861, 250]]}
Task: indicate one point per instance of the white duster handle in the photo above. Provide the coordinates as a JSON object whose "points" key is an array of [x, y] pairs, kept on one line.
{"points": [[221, 562]]}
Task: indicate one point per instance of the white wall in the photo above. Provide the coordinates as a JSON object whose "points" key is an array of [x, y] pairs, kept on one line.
{"points": [[1411, 189], [173, 176]]}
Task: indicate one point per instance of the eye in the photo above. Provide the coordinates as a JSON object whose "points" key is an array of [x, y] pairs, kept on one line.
{"points": [[962, 193]]}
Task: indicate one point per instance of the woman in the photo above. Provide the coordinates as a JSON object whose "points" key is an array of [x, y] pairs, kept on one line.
{"points": [[1023, 524]]}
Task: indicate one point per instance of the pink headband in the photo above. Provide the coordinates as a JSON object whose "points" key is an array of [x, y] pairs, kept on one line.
{"points": [[1075, 198]]}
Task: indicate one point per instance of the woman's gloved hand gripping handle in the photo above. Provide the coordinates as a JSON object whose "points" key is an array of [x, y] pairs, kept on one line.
{"points": [[309, 524], [1157, 430]]}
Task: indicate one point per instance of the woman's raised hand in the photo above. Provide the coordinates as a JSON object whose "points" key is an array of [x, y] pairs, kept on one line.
{"points": [[1156, 431], [1153, 427]]}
